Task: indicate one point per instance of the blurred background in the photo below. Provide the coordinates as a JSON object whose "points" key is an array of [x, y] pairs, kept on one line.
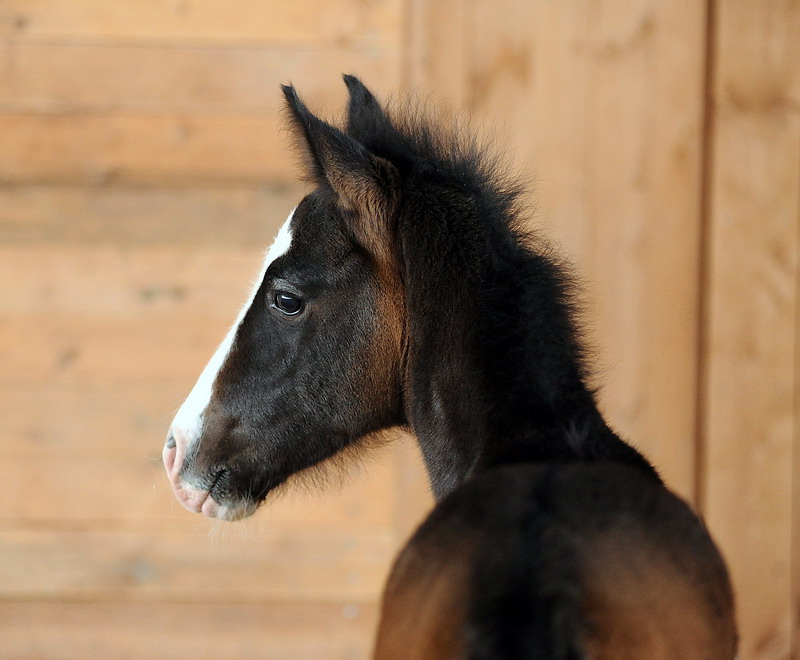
{"points": [[143, 170]]}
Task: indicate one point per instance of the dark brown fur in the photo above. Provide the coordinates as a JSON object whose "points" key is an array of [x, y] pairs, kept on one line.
{"points": [[425, 306], [569, 561]]}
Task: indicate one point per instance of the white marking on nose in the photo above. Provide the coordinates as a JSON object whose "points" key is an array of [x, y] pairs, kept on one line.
{"points": [[189, 416]]}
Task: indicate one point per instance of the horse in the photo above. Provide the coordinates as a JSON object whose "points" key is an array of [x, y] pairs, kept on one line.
{"points": [[405, 291]]}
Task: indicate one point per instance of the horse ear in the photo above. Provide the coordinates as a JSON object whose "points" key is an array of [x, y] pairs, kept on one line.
{"points": [[363, 182], [365, 116]]}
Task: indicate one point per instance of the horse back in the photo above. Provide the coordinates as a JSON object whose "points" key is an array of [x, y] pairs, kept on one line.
{"points": [[559, 561]]}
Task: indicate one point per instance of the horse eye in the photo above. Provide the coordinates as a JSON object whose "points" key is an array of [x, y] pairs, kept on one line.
{"points": [[287, 303]]}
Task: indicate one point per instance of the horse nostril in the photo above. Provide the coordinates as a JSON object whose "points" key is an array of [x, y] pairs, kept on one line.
{"points": [[171, 444]]}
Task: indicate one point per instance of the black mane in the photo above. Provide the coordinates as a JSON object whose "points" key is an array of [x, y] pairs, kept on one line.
{"points": [[477, 280]]}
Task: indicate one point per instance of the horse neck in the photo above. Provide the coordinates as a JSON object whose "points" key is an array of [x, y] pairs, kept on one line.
{"points": [[495, 371]]}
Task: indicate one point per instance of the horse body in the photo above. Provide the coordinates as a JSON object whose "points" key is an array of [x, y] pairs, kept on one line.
{"points": [[558, 561], [404, 293]]}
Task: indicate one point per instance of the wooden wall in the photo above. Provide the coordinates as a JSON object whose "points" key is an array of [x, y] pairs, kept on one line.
{"points": [[664, 139], [142, 172]]}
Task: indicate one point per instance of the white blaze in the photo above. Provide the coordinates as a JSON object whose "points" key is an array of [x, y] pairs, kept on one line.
{"points": [[189, 417]]}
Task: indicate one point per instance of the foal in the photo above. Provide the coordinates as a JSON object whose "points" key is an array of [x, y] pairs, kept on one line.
{"points": [[403, 291]]}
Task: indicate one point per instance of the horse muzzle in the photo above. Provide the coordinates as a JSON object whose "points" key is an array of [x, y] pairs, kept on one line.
{"points": [[194, 498]]}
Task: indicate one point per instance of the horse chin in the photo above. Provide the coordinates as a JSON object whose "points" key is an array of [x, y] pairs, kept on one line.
{"points": [[228, 512]]}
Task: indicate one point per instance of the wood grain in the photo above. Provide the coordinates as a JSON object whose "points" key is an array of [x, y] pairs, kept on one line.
{"points": [[794, 509], [644, 211], [189, 80], [288, 23], [436, 58], [750, 336], [794, 611], [79, 455], [275, 630], [122, 281], [320, 565], [87, 418], [46, 348], [182, 217], [102, 147]]}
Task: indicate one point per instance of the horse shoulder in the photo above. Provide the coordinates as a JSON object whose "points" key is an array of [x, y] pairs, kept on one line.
{"points": [[556, 562]]}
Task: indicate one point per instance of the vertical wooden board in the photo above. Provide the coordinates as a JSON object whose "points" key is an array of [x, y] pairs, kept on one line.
{"points": [[749, 341], [604, 106], [437, 50], [550, 124], [643, 183], [795, 502]]}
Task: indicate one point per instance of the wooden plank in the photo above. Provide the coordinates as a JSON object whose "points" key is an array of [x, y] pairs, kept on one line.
{"points": [[795, 509], [645, 107], [117, 281], [112, 314], [233, 215], [192, 81], [285, 23], [72, 489], [165, 348], [750, 336], [318, 565], [278, 631], [95, 455], [75, 486], [551, 144], [142, 148], [88, 418], [434, 59]]}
